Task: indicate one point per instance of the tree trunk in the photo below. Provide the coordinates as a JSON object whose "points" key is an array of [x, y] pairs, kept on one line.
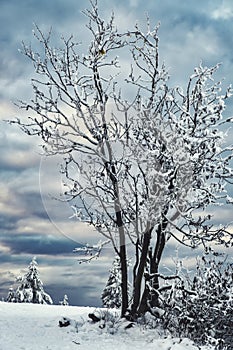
{"points": [[123, 263], [140, 272], [124, 281], [150, 299], [144, 305], [123, 257], [154, 269], [111, 170]]}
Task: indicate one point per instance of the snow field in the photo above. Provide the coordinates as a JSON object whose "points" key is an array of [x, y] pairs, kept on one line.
{"points": [[35, 327]]}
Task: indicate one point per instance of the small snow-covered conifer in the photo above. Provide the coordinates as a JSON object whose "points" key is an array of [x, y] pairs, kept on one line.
{"points": [[11, 295], [65, 301], [111, 296], [31, 289]]}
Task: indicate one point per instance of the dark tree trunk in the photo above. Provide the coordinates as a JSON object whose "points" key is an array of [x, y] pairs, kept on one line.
{"points": [[124, 281], [150, 299], [140, 272], [144, 305], [34, 299], [122, 250], [123, 263], [123, 258], [155, 261]]}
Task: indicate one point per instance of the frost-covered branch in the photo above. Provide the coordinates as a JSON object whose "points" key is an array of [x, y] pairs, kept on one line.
{"points": [[90, 251]]}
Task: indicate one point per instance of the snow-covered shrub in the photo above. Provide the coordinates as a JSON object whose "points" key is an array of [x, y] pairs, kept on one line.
{"points": [[109, 320], [201, 307], [150, 321]]}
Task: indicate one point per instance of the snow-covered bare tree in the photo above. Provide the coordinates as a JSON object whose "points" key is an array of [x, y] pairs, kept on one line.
{"points": [[111, 296], [142, 159], [31, 288]]}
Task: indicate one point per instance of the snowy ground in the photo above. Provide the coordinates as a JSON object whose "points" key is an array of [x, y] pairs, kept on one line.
{"points": [[35, 327]]}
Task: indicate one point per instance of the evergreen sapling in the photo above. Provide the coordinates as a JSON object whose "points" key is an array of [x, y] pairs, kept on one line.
{"points": [[31, 288], [111, 296]]}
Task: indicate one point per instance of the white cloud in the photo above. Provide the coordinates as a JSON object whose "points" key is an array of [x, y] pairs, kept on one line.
{"points": [[9, 202], [191, 47], [4, 249], [225, 11], [18, 159]]}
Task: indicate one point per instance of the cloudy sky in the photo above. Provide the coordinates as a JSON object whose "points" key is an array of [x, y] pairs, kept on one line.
{"points": [[32, 223]]}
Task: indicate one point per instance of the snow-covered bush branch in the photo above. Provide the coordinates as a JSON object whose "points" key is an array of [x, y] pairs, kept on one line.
{"points": [[200, 306]]}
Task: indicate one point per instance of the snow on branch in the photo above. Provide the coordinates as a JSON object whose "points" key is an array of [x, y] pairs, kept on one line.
{"points": [[90, 251]]}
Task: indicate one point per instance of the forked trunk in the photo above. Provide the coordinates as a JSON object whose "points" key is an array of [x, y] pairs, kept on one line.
{"points": [[150, 296], [154, 268], [140, 272]]}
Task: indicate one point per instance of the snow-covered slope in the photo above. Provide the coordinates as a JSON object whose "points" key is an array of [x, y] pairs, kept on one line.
{"points": [[35, 327]]}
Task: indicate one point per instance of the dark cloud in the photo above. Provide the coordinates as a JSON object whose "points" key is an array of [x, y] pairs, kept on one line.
{"points": [[8, 222], [33, 204], [43, 244], [77, 295]]}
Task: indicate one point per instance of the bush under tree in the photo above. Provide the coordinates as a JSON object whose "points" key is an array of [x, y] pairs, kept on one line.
{"points": [[201, 306]]}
